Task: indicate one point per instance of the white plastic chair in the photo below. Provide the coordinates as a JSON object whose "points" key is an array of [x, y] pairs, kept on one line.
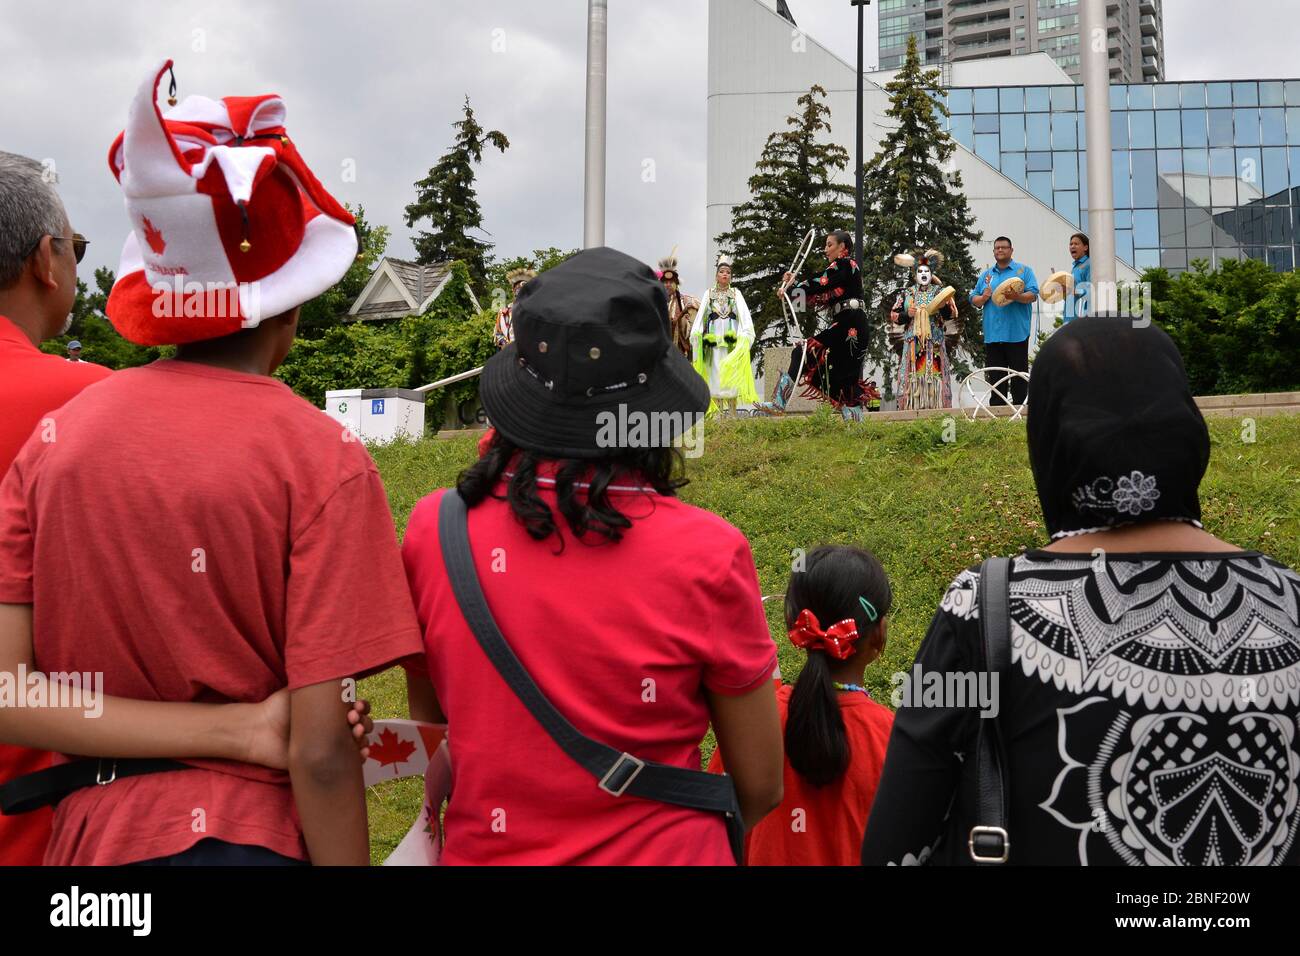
{"points": [[980, 399]]}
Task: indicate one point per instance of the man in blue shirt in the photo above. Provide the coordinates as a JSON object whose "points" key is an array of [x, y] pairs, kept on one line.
{"points": [[1006, 327]]}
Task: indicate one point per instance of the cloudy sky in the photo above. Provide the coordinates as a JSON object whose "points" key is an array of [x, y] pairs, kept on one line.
{"points": [[373, 87]]}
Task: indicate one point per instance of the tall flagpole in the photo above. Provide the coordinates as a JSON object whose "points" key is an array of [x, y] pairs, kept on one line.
{"points": [[593, 229], [1094, 50], [857, 211]]}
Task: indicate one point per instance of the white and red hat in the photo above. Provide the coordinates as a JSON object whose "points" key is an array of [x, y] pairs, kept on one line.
{"points": [[229, 224]]}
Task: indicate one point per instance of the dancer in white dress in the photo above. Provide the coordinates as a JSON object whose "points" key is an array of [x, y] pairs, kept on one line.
{"points": [[721, 337]]}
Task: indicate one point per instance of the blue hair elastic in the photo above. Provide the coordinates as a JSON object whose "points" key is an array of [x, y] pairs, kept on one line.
{"points": [[869, 608]]}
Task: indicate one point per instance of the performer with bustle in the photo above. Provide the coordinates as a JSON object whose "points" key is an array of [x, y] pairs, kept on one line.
{"points": [[503, 333], [927, 313], [681, 307], [832, 359], [721, 336]]}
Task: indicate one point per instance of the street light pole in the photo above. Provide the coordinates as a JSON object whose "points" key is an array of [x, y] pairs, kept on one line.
{"points": [[593, 231], [857, 234], [1094, 50]]}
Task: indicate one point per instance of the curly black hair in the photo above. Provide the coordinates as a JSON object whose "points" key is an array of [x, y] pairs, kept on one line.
{"points": [[581, 486]]}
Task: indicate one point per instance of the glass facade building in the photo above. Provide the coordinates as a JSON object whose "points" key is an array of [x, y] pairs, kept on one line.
{"points": [[1201, 170]]}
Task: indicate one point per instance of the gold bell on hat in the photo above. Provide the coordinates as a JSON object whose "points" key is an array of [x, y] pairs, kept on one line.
{"points": [[244, 244]]}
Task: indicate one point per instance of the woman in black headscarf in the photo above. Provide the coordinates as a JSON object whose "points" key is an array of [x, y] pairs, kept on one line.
{"points": [[1149, 715]]}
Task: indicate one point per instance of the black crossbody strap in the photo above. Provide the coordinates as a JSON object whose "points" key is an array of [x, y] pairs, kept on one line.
{"points": [[617, 773], [989, 842], [45, 788]]}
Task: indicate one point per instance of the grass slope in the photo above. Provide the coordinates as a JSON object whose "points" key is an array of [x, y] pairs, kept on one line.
{"points": [[926, 507]]}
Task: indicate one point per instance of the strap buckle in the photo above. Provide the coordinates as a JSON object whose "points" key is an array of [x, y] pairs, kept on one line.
{"points": [[99, 773], [989, 844], [618, 778]]}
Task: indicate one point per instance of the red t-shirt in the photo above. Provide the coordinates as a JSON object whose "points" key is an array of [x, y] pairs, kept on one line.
{"points": [[624, 639], [32, 384], [198, 534], [823, 826]]}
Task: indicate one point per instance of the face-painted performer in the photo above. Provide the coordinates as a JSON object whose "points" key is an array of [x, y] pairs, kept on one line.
{"points": [[925, 311]]}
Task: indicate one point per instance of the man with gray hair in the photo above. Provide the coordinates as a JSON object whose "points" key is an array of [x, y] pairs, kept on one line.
{"points": [[39, 253]]}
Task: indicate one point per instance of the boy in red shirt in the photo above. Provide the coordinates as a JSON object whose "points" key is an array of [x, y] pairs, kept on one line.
{"points": [[237, 542]]}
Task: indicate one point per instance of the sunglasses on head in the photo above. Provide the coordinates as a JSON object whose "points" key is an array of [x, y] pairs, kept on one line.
{"points": [[79, 243]]}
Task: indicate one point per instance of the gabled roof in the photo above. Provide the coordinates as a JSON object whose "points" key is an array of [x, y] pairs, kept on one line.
{"points": [[398, 288]]}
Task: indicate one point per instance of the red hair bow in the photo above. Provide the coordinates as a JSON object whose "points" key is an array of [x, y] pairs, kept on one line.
{"points": [[837, 640]]}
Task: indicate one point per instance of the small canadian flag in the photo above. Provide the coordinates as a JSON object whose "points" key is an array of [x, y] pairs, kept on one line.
{"points": [[406, 748]]}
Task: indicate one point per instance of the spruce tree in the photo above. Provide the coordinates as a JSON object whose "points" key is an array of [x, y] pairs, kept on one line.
{"points": [[446, 198], [910, 202], [792, 190]]}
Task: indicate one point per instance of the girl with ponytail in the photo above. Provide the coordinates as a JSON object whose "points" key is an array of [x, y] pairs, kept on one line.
{"points": [[835, 734]]}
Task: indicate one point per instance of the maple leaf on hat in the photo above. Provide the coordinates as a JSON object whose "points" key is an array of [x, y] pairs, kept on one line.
{"points": [[391, 749], [154, 237]]}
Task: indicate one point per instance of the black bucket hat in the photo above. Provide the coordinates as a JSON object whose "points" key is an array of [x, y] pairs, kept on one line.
{"points": [[591, 349]]}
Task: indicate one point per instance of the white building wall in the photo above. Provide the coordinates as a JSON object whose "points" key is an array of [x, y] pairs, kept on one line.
{"points": [[759, 65], [1023, 69]]}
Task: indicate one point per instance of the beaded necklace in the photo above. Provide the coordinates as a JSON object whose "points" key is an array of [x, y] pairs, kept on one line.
{"points": [[851, 687], [722, 302]]}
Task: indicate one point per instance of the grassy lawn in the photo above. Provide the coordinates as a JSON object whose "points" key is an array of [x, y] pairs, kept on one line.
{"points": [[927, 508]]}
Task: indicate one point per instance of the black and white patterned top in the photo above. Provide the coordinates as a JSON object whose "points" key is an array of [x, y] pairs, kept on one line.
{"points": [[1150, 717]]}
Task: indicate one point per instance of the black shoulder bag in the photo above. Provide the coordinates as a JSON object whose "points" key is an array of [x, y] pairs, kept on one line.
{"points": [[616, 773], [989, 843]]}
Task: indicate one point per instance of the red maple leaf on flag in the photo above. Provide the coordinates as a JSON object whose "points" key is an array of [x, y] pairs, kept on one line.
{"points": [[154, 237], [391, 749]]}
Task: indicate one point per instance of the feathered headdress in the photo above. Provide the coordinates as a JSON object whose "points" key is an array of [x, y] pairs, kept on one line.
{"points": [[931, 257], [724, 260], [515, 276], [668, 266]]}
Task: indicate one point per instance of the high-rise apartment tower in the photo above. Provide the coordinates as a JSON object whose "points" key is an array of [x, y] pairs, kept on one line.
{"points": [[958, 30]]}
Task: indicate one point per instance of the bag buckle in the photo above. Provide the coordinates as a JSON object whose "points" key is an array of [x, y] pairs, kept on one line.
{"points": [[989, 844], [618, 778], [99, 773]]}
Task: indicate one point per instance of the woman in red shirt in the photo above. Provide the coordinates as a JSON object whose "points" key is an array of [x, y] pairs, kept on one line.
{"points": [[835, 734], [637, 615]]}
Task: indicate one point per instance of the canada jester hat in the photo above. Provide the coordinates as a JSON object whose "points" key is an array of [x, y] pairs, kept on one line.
{"points": [[219, 199]]}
